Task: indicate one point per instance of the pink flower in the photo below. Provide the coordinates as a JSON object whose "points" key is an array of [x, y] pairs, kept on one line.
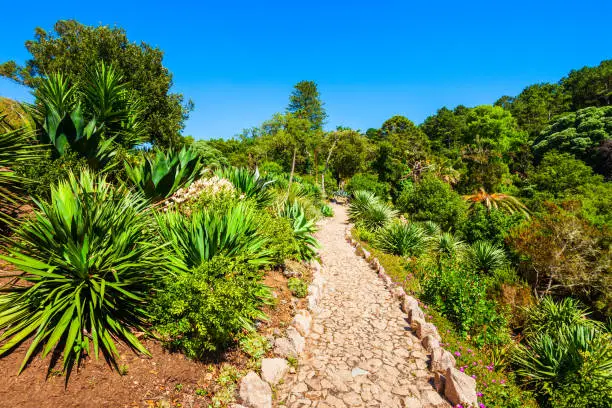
{"points": [[462, 369], [458, 354], [474, 376], [479, 394], [502, 381], [493, 381]]}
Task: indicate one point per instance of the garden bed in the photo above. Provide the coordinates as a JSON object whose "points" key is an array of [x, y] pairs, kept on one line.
{"points": [[166, 379]]}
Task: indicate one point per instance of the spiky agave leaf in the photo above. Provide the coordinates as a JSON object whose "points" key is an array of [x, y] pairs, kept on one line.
{"points": [[447, 245], [250, 183], [91, 263], [550, 316], [161, 175], [303, 228]]}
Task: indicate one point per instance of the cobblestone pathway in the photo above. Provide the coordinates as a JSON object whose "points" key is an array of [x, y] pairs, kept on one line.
{"points": [[361, 352]]}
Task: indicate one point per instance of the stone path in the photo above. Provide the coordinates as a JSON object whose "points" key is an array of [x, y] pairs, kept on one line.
{"points": [[361, 351]]}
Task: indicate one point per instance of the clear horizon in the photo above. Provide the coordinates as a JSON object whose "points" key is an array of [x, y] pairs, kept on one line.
{"points": [[239, 62]]}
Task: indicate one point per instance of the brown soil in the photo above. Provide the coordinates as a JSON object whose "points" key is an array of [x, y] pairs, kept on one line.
{"points": [[146, 382]]}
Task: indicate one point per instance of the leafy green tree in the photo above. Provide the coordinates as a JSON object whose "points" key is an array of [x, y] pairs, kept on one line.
{"points": [[350, 154], [209, 155], [493, 128], [562, 174], [433, 200], [445, 129], [579, 133], [73, 47], [536, 105], [590, 86]]}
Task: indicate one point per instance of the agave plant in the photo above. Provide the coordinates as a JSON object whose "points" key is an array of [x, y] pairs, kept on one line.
{"points": [[303, 228], [402, 239], [204, 235], [500, 201], [249, 183], [367, 210], [431, 228], [486, 257], [87, 118], [90, 265], [161, 175], [15, 148]]}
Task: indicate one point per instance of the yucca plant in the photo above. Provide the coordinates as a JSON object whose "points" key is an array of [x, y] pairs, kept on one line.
{"points": [[401, 239], [572, 356], [550, 316], [303, 228], [486, 257], [367, 210], [249, 183], [198, 238], [90, 266], [159, 176], [431, 228], [447, 245], [15, 148]]}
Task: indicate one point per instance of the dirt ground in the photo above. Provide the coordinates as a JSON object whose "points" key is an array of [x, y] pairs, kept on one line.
{"points": [[164, 380]]}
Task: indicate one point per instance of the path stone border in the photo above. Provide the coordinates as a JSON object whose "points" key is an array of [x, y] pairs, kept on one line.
{"points": [[458, 388], [255, 391]]}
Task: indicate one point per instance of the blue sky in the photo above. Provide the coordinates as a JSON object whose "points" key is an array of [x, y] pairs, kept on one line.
{"points": [[239, 60]]}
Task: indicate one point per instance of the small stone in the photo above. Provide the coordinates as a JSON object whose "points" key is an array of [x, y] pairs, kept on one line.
{"points": [[431, 398], [352, 399], [430, 343], [358, 371], [423, 329], [460, 388], [399, 292], [302, 321], [273, 369], [300, 388], [254, 392], [441, 360], [439, 381], [297, 341]]}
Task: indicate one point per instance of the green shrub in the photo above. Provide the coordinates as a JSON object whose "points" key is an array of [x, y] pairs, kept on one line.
{"points": [[298, 287], [278, 232], [92, 264], [327, 211], [460, 295], [551, 317], [368, 182], [434, 200], [206, 308], [447, 246], [255, 345], [489, 225], [401, 239], [369, 211]]}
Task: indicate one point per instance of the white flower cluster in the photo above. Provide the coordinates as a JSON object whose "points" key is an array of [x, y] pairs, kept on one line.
{"points": [[212, 187]]}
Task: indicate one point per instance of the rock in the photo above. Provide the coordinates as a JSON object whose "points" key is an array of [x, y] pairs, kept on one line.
{"points": [[366, 254], [410, 306], [312, 303], [374, 264], [302, 321], [273, 369], [314, 290], [412, 402], [254, 392], [315, 265], [358, 371], [423, 329], [297, 341], [439, 381], [441, 360], [460, 388], [284, 348], [431, 399], [399, 292], [381, 270], [430, 343]]}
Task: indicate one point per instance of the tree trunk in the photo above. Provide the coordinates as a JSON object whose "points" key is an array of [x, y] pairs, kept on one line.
{"points": [[331, 149]]}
